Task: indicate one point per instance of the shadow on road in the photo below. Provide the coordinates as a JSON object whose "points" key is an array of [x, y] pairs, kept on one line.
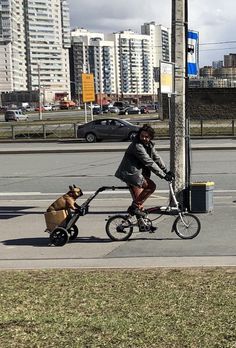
{"points": [[44, 242], [15, 211], [36, 242]]}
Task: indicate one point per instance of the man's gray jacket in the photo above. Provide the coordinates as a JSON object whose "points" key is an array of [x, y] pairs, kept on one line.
{"points": [[138, 162]]}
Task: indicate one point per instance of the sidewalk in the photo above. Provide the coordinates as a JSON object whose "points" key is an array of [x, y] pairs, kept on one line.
{"points": [[76, 146], [25, 245]]}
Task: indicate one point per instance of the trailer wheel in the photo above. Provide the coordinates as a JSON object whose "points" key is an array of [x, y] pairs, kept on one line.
{"points": [[59, 236], [73, 232]]}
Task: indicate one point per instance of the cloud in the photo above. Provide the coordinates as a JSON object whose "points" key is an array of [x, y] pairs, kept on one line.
{"points": [[214, 19]]}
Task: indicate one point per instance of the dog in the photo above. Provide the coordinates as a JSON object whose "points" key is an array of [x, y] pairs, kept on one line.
{"points": [[67, 201]]}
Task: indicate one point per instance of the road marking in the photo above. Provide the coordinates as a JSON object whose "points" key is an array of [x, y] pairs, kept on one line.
{"points": [[108, 192]]}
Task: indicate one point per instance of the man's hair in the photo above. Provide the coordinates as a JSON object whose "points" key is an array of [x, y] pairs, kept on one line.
{"points": [[148, 129]]}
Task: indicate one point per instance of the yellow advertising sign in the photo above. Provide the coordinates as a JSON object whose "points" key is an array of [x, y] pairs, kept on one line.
{"points": [[88, 93]]}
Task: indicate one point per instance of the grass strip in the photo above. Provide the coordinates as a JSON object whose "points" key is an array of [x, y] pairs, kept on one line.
{"points": [[174, 308]]}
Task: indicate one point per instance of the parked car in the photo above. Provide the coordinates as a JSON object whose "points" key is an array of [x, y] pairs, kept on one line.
{"points": [[144, 109], [3, 109], [97, 110], [121, 104], [27, 109], [38, 108], [114, 109], [47, 107], [107, 128], [55, 107], [15, 115], [130, 110], [105, 109]]}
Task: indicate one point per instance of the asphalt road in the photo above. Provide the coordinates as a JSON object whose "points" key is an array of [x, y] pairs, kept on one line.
{"points": [[30, 182], [53, 172]]}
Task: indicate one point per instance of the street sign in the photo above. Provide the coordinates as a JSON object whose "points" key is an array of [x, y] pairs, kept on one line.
{"points": [[166, 77], [193, 56], [88, 93]]}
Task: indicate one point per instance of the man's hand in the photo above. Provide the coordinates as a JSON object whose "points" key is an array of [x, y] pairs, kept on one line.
{"points": [[169, 176]]}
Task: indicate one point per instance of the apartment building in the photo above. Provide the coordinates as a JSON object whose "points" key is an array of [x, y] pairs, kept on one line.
{"points": [[217, 64], [230, 60], [160, 43], [12, 46], [90, 52], [133, 64], [124, 64], [159, 40], [35, 42]]}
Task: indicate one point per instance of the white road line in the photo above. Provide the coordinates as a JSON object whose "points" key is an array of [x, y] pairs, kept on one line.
{"points": [[3, 194]]}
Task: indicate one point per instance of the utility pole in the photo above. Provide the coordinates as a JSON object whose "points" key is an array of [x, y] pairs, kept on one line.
{"points": [[178, 117]]}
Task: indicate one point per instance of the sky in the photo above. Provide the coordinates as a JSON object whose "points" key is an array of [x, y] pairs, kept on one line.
{"points": [[213, 19]]}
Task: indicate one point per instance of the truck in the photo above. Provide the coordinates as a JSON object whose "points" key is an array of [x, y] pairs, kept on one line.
{"points": [[67, 104]]}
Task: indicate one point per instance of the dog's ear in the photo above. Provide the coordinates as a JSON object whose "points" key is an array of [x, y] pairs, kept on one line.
{"points": [[74, 185], [71, 188]]}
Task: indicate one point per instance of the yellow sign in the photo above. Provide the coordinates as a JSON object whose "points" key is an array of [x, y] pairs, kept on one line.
{"points": [[88, 93]]}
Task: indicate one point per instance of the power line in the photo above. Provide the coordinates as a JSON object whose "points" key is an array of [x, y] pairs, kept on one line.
{"points": [[219, 49], [217, 43]]}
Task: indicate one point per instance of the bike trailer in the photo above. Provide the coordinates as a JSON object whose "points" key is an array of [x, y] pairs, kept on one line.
{"points": [[54, 219]]}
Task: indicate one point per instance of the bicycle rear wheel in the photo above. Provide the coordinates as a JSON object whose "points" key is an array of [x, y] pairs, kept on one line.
{"points": [[187, 226], [119, 228]]}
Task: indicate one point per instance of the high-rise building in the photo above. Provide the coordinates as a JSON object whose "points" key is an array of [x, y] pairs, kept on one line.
{"points": [[35, 41], [230, 60], [91, 53], [12, 46], [159, 40], [123, 63], [217, 64], [160, 44], [133, 65]]}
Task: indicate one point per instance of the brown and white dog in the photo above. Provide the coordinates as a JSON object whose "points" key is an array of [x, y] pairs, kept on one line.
{"points": [[67, 201]]}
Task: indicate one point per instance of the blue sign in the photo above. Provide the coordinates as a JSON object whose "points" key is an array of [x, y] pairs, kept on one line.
{"points": [[193, 57]]}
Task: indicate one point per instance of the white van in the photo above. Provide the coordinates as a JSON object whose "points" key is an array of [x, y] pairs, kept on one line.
{"points": [[15, 115]]}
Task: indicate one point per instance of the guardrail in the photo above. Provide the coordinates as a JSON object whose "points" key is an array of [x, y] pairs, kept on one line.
{"points": [[39, 130], [68, 129]]}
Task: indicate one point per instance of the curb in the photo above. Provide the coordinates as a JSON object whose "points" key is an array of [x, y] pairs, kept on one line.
{"points": [[122, 263], [106, 149]]}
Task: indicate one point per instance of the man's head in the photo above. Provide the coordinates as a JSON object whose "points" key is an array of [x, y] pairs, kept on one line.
{"points": [[146, 134]]}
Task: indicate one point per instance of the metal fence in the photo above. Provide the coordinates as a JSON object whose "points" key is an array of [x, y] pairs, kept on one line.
{"points": [[68, 130]]}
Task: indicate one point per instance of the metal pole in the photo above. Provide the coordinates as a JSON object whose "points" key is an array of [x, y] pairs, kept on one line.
{"points": [[40, 99], [91, 104]]}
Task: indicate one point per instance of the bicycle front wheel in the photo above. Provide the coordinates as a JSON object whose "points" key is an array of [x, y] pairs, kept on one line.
{"points": [[187, 226], [119, 228]]}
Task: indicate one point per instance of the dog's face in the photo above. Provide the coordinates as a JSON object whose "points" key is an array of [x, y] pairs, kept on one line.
{"points": [[75, 192]]}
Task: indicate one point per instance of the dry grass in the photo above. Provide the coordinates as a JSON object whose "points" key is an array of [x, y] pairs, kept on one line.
{"points": [[112, 308]]}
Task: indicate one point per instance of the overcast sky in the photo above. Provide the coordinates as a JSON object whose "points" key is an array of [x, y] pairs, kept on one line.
{"points": [[214, 19]]}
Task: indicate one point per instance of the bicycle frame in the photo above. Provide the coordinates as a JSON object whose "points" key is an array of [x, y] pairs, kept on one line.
{"points": [[170, 209], [120, 227]]}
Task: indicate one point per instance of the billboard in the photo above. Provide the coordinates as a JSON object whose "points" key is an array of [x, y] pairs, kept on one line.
{"points": [[88, 93], [166, 77], [193, 53]]}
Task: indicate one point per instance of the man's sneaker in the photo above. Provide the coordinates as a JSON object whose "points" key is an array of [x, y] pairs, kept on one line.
{"points": [[152, 229], [133, 210]]}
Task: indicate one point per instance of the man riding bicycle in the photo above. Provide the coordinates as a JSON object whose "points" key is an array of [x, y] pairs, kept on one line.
{"points": [[140, 159]]}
